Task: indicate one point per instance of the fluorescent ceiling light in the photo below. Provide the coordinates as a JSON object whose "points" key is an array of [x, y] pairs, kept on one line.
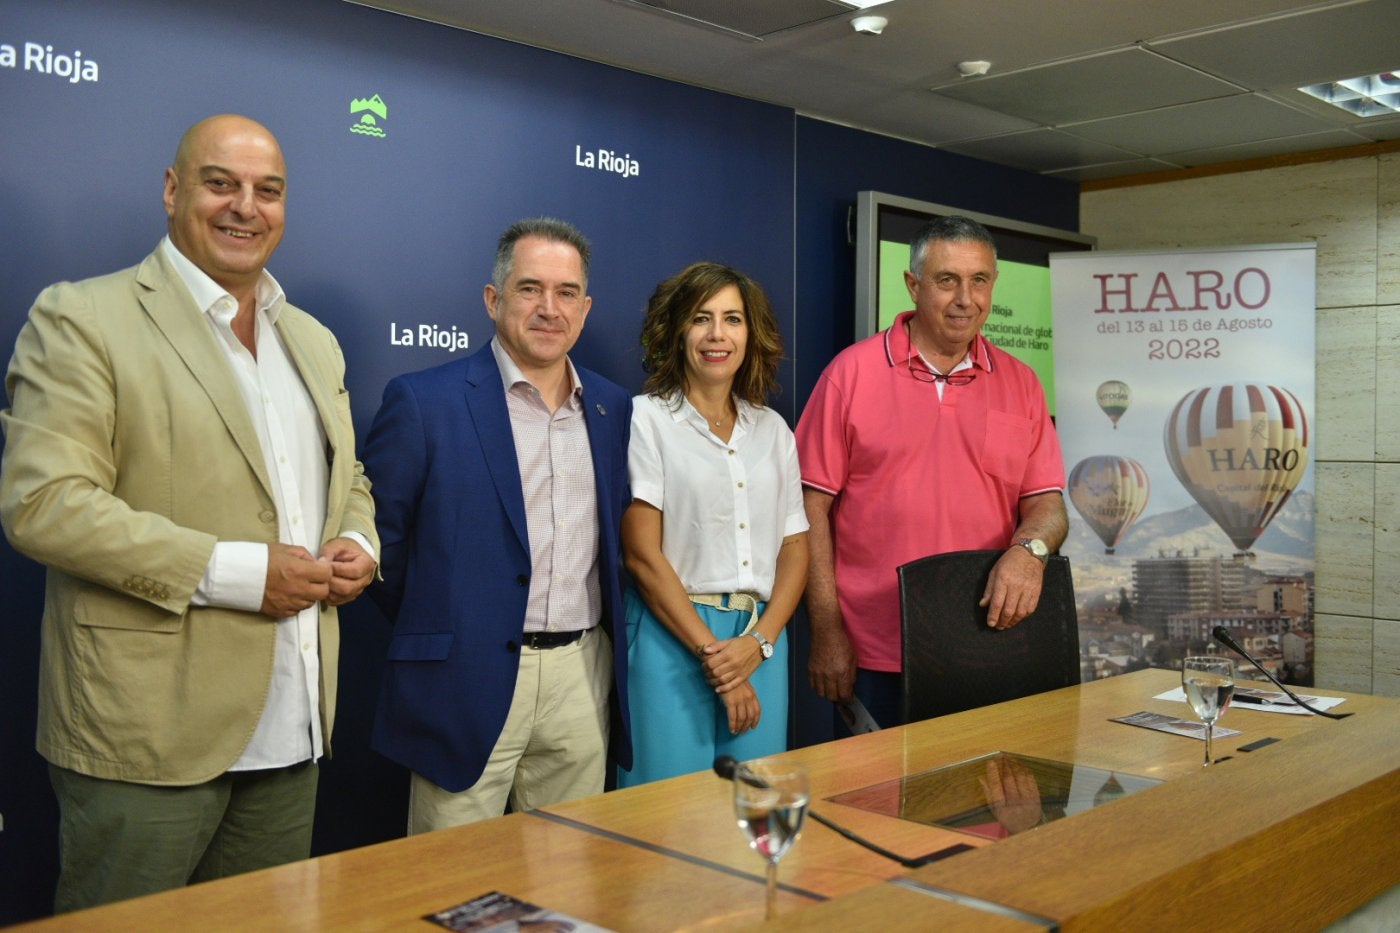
{"points": [[861, 4], [1367, 96]]}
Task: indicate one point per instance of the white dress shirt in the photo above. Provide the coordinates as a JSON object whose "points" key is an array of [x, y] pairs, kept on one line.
{"points": [[726, 506], [293, 442]]}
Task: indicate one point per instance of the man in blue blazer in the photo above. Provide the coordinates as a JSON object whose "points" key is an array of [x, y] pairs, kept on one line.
{"points": [[500, 481]]}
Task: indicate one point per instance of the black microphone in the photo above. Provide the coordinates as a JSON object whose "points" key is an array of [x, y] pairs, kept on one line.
{"points": [[729, 769], [1222, 635]]}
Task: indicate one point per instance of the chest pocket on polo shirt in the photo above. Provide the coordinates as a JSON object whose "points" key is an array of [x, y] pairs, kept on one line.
{"points": [[1006, 446]]}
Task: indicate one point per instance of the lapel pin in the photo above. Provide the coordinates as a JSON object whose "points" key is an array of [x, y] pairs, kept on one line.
{"points": [[601, 409]]}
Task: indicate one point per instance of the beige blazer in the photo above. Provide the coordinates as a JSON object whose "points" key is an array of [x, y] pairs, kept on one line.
{"points": [[128, 453]]}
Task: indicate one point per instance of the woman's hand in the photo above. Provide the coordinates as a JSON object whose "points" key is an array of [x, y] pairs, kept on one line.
{"points": [[728, 663], [741, 702]]}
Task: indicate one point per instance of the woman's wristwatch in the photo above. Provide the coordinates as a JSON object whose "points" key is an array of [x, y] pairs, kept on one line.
{"points": [[765, 646]]}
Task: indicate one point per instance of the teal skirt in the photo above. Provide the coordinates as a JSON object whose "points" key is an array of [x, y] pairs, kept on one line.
{"points": [[679, 723]]}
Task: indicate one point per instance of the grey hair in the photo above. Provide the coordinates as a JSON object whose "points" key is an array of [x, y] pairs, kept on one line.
{"points": [[546, 228], [953, 227]]}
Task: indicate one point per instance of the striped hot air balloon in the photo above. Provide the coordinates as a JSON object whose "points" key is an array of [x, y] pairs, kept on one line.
{"points": [[1113, 397], [1240, 451], [1110, 493]]}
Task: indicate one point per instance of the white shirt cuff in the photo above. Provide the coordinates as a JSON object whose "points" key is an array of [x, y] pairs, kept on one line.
{"points": [[363, 542], [236, 577]]}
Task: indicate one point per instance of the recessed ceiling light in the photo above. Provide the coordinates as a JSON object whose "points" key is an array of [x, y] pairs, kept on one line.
{"points": [[869, 25], [1367, 96]]}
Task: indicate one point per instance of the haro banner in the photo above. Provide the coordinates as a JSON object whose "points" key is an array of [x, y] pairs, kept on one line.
{"points": [[1186, 388]]}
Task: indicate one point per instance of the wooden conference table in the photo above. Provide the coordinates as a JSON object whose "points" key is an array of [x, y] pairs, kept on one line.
{"points": [[1286, 837]]}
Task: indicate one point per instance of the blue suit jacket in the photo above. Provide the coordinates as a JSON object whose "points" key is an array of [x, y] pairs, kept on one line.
{"points": [[456, 561]]}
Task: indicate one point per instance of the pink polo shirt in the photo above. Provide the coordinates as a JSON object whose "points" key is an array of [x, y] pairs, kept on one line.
{"points": [[914, 475]]}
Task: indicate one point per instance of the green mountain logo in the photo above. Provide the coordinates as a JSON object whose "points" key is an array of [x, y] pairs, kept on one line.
{"points": [[371, 111]]}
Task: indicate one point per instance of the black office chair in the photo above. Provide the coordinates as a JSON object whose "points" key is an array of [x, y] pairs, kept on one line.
{"points": [[954, 662]]}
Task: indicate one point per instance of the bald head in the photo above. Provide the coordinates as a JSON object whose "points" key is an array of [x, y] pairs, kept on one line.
{"points": [[225, 196], [218, 127]]}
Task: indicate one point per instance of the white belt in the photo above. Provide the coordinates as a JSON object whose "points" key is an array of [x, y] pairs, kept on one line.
{"points": [[730, 602]]}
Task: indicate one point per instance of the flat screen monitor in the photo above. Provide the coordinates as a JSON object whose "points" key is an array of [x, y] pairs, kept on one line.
{"points": [[1020, 320]]}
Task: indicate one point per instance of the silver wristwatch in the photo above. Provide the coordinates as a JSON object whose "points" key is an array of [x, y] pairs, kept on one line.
{"points": [[1036, 547], [765, 647]]}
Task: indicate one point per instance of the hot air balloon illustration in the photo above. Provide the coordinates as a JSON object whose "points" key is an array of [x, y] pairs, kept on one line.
{"points": [[1110, 492], [1240, 450], [1113, 397]]}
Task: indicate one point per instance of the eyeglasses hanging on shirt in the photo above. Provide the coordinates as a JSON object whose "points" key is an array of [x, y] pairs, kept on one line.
{"points": [[960, 378]]}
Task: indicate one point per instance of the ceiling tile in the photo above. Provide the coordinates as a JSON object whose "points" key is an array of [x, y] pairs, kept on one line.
{"points": [[1265, 148], [1088, 88], [1221, 122], [749, 19], [1344, 41], [1113, 169], [936, 121], [1040, 150], [1378, 128]]}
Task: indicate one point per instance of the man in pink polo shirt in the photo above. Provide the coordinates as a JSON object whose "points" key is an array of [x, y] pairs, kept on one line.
{"points": [[920, 440]]}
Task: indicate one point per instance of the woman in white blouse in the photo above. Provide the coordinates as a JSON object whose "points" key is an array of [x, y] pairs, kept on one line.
{"points": [[716, 537]]}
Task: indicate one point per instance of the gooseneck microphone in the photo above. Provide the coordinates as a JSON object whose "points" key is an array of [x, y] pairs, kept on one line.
{"points": [[1222, 635], [728, 768]]}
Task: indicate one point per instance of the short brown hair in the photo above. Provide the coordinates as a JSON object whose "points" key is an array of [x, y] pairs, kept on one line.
{"points": [[669, 311]]}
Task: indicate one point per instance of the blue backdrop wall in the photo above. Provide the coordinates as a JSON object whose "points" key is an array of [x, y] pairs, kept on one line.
{"points": [[391, 226]]}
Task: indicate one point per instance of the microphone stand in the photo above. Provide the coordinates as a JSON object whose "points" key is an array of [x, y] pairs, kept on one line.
{"points": [[1222, 635]]}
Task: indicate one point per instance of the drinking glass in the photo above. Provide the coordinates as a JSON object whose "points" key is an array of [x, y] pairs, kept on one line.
{"points": [[770, 803], [1209, 683]]}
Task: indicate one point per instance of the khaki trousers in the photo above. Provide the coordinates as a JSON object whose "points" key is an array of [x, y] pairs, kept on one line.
{"points": [[552, 748]]}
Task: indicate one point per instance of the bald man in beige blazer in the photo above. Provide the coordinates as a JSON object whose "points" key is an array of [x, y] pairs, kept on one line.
{"points": [[179, 454]]}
